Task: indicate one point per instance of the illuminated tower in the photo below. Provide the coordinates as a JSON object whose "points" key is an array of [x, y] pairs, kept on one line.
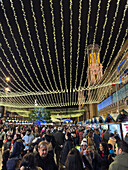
{"points": [[94, 73], [95, 68]]}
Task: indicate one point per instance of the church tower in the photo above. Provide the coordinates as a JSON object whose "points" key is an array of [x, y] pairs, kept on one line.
{"points": [[94, 73]]}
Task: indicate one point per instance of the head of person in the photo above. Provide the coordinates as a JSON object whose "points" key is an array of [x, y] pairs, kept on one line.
{"points": [[84, 144], [9, 137], [48, 131], [121, 146], [74, 160], [112, 136], [126, 135], [104, 148], [43, 149], [109, 146], [28, 162], [28, 132], [68, 136], [90, 134]]}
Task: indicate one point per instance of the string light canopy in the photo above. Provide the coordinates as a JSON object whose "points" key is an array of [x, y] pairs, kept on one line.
{"points": [[43, 50]]}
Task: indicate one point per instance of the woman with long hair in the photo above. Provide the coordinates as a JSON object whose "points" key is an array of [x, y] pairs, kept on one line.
{"points": [[74, 160]]}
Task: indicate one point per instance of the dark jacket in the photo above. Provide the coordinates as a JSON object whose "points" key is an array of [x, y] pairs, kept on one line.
{"points": [[97, 140], [68, 145], [11, 163], [100, 162], [46, 163], [120, 162], [17, 149], [7, 144], [106, 137], [59, 138]]}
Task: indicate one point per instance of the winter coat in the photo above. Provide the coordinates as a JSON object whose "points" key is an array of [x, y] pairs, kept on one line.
{"points": [[59, 138], [97, 140], [46, 163], [11, 163], [17, 149], [68, 145], [8, 144], [106, 137], [120, 162]]}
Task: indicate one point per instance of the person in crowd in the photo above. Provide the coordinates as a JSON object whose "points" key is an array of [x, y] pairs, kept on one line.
{"points": [[13, 164], [103, 159], [17, 147], [28, 139], [121, 160], [2, 134], [68, 145], [111, 151], [74, 160], [97, 139], [91, 140], [126, 138], [51, 141], [5, 157], [29, 162], [84, 153], [80, 136], [44, 159], [112, 141], [106, 136], [8, 142], [59, 138]]}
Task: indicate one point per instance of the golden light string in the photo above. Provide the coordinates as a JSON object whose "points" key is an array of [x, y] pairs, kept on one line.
{"points": [[63, 45], [24, 46], [15, 42], [106, 78], [78, 44], [55, 42], [86, 43], [9, 82], [115, 72], [71, 30], [104, 26], [94, 38], [1, 28], [8, 69], [33, 48], [120, 28], [47, 43], [114, 48], [113, 24], [55, 45], [111, 32], [113, 79]]}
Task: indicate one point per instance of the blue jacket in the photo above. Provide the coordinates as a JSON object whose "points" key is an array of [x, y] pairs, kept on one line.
{"points": [[17, 149]]}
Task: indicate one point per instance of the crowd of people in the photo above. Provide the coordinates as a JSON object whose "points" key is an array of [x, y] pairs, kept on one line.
{"points": [[25, 147]]}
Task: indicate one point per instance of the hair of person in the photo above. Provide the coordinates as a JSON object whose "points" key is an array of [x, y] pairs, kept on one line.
{"points": [[122, 145], [29, 161], [105, 148], [109, 146], [117, 138], [74, 160], [42, 143]]}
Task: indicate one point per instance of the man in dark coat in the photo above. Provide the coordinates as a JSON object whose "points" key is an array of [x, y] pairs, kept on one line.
{"points": [[68, 145], [44, 159], [59, 138], [97, 139]]}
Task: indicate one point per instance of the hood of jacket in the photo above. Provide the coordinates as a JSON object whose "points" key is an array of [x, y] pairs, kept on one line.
{"points": [[122, 159]]}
